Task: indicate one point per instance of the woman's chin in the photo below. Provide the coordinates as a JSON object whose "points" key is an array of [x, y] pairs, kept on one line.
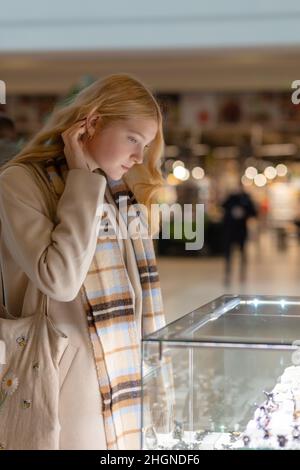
{"points": [[118, 174]]}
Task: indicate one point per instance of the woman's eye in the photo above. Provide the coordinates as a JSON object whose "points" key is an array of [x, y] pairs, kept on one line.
{"points": [[132, 139]]}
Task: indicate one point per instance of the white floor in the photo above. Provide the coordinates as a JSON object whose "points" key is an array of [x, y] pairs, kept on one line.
{"points": [[189, 282]]}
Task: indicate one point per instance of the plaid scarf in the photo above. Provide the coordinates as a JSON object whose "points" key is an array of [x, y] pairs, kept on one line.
{"points": [[110, 314]]}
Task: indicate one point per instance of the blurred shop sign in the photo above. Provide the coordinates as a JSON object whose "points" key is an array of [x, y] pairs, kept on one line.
{"points": [[283, 202]]}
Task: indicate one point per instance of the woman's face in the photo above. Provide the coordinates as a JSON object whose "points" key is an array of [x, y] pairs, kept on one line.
{"points": [[120, 145]]}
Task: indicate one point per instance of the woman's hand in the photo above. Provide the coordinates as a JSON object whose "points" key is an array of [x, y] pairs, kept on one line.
{"points": [[74, 149]]}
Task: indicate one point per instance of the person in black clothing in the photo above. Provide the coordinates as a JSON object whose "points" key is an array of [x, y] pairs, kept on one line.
{"points": [[238, 208]]}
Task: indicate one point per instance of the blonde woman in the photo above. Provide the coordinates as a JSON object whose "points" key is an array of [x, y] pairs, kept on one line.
{"points": [[104, 292]]}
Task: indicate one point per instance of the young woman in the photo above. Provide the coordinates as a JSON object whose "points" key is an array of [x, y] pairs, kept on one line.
{"points": [[103, 292]]}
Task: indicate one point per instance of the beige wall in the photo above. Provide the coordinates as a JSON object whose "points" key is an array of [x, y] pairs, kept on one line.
{"points": [[222, 69]]}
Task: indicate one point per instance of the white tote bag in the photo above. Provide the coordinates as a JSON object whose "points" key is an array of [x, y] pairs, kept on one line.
{"points": [[29, 389], [29, 379]]}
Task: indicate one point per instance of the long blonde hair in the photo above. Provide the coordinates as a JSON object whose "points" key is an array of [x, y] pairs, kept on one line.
{"points": [[115, 97]]}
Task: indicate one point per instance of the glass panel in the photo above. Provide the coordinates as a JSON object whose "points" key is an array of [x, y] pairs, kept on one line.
{"points": [[238, 319], [215, 397]]}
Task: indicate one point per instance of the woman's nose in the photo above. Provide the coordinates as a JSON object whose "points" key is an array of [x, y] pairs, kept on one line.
{"points": [[138, 157]]}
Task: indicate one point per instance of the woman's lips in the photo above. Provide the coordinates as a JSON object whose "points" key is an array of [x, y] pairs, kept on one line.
{"points": [[125, 167]]}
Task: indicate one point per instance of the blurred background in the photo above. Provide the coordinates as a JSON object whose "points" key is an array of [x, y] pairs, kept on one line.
{"points": [[223, 74]]}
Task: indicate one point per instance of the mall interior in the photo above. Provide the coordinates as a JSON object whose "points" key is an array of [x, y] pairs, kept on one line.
{"points": [[224, 80], [226, 76]]}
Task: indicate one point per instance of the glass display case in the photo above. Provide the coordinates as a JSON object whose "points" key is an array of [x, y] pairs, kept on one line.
{"points": [[225, 376]]}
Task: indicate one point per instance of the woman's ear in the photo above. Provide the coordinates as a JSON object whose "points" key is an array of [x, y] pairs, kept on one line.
{"points": [[92, 120]]}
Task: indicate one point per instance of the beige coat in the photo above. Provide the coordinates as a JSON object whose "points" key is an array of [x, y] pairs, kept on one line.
{"points": [[37, 255]]}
